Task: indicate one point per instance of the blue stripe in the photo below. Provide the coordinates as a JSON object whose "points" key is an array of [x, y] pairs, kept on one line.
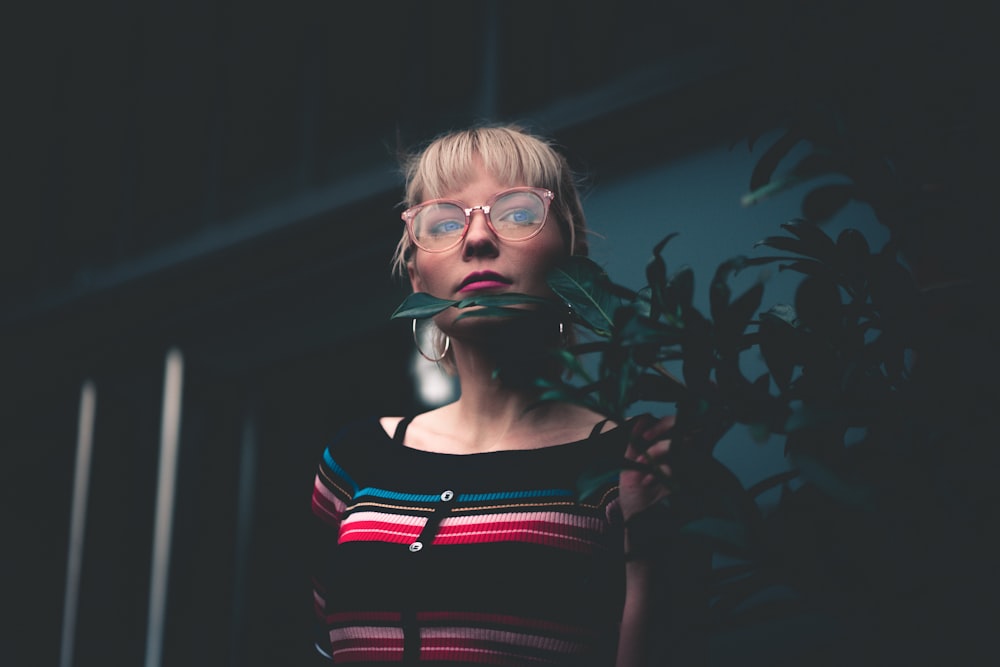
{"points": [[340, 472], [512, 495], [464, 497], [393, 495]]}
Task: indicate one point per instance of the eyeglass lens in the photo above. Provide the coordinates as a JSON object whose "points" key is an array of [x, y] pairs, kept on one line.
{"points": [[514, 216]]}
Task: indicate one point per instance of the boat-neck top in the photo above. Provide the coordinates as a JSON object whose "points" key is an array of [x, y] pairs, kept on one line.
{"points": [[502, 557]]}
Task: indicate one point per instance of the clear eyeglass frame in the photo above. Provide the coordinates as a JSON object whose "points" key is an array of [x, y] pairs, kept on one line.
{"points": [[410, 214]]}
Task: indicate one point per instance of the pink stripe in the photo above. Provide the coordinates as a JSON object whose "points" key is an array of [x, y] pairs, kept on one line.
{"points": [[359, 635], [559, 518], [386, 518], [473, 618], [485, 637], [325, 505], [325, 491]]}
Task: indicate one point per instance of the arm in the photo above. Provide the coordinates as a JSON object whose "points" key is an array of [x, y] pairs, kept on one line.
{"points": [[640, 492]]}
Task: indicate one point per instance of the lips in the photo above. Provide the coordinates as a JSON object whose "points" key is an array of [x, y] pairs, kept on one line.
{"points": [[483, 280]]}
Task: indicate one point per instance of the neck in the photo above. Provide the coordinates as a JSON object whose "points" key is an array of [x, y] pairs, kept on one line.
{"points": [[497, 371]]}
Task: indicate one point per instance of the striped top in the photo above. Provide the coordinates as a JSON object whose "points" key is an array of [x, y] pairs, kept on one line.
{"points": [[442, 559]]}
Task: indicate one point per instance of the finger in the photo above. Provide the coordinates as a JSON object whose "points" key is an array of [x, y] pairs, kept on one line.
{"points": [[658, 450], [657, 430]]}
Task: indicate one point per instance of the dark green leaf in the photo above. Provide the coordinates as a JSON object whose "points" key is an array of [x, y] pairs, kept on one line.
{"points": [[823, 202], [852, 246], [727, 534], [680, 289], [768, 162], [719, 292], [584, 286], [505, 299], [743, 309], [592, 481], [809, 267], [820, 245], [640, 330], [769, 190], [650, 387], [817, 164], [784, 313], [818, 302], [771, 482], [494, 311], [779, 343], [421, 305], [831, 482]]}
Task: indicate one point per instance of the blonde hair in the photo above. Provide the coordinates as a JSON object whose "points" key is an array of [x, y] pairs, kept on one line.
{"points": [[510, 154]]}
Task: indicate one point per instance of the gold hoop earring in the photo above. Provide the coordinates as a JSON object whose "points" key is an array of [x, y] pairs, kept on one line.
{"points": [[416, 341]]}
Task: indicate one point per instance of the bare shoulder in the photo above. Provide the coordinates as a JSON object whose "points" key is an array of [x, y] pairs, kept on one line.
{"points": [[424, 424]]}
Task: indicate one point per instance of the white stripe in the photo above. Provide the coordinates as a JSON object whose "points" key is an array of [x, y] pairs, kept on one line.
{"points": [[81, 484], [170, 427]]}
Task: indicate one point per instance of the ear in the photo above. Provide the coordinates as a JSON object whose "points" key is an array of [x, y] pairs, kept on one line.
{"points": [[416, 283]]}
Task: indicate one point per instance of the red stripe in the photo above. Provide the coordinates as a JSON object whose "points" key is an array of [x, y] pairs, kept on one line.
{"points": [[517, 536], [532, 524], [328, 515]]}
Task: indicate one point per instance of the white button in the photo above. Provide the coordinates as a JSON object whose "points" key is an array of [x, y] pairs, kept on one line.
{"points": [[447, 495], [416, 546]]}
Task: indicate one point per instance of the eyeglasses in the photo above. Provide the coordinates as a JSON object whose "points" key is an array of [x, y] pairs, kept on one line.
{"points": [[516, 214]]}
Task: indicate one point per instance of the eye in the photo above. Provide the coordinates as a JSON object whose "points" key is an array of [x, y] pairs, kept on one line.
{"points": [[519, 216], [439, 220], [518, 209], [445, 227]]}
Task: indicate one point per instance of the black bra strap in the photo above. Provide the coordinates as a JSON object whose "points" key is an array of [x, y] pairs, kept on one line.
{"points": [[400, 433], [598, 427]]}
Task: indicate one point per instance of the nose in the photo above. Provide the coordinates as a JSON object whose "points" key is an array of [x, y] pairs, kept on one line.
{"points": [[479, 237]]}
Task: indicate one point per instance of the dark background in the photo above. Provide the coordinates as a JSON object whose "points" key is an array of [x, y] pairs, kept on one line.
{"points": [[221, 177]]}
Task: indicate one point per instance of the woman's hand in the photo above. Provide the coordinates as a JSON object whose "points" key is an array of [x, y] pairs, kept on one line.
{"points": [[640, 489]]}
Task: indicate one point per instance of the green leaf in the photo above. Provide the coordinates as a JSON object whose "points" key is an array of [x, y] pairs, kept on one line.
{"points": [[494, 311], [770, 189], [420, 305], [640, 330], [832, 483], [796, 245], [650, 387], [728, 534], [821, 203], [779, 343], [743, 309], [572, 363], [768, 162], [505, 299], [584, 286], [820, 245], [591, 481], [680, 290]]}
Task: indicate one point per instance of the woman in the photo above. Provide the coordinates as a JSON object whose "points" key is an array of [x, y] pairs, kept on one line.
{"points": [[459, 536]]}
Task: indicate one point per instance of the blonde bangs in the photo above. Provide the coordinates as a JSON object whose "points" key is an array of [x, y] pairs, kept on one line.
{"points": [[512, 156]]}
